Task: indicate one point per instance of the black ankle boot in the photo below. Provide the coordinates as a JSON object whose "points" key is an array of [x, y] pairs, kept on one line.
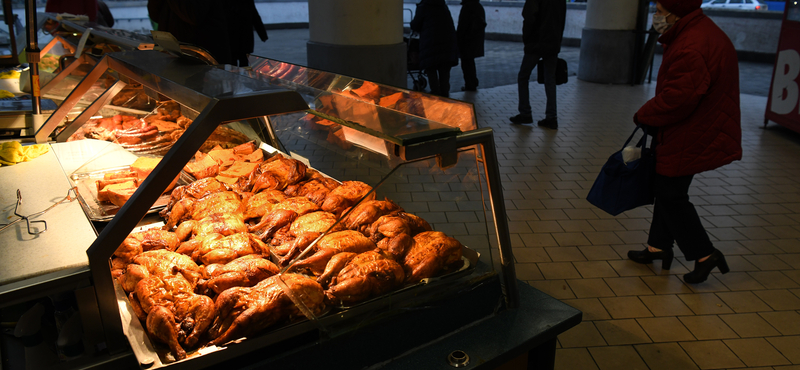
{"points": [[702, 269], [646, 256]]}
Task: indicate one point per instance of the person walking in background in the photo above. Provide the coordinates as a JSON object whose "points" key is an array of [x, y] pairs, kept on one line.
{"points": [[224, 29], [471, 32], [542, 28], [698, 120], [438, 48]]}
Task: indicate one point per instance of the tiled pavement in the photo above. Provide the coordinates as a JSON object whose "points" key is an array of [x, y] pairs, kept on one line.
{"points": [[640, 316]]}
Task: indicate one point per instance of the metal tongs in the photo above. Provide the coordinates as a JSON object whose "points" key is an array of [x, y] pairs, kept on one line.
{"points": [[71, 195]]}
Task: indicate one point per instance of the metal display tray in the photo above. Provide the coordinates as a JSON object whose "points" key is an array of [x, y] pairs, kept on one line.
{"points": [[155, 355], [85, 182]]}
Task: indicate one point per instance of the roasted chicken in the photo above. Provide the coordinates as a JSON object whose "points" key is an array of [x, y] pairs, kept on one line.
{"points": [[224, 202], [278, 172], [282, 214], [345, 196], [219, 249], [195, 190], [432, 253], [332, 244], [315, 189], [244, 311], [367, 275], [260, 203], [218, 223], [244, 271], [367, 212], [161, 285]]}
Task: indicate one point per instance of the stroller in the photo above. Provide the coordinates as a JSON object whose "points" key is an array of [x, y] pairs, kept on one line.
{"points": [[412, 62]]}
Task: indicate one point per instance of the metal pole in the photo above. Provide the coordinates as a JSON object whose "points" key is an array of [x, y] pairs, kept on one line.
{"points": [[33, 57], [485, 138]]}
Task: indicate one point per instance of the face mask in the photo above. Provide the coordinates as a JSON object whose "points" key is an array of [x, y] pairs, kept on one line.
{"points": [[660, 23]]}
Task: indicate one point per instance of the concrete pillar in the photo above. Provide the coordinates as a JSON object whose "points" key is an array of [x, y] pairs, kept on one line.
{"points": [[359, 38], [608, 41]]}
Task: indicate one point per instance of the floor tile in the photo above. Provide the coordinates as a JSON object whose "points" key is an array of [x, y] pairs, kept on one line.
{"points": [[779, 300], [561, 254], [743, 302], [756, 352], [598, 252], [531, 255], [665, 356], [787, 322], [739, 281], [705, 304], [788, 346], [574, 358], [591, 307], [594, 269], [777, 279], [666, 305], [767, 262], [666, 284], [582, 335], [556, 288], [625, 286], [629, 268], [708, 327], [712, 284], [625, 307], [711, 354], [585, 288], [748, 325], [664, 329], [528, 271], [739, 263], [617, 332], [617, 357], [558, 270], [583, 225]]}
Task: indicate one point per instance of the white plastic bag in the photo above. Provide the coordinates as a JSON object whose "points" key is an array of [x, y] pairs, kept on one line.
{"points": [[631, 153]]}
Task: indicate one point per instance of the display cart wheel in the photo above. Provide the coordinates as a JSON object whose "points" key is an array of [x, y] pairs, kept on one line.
{"points": [[420, 84]]}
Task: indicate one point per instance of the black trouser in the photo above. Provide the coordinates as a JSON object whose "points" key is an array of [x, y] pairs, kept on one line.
{"points": [[439, 80], [470, 73], [676, 220]]}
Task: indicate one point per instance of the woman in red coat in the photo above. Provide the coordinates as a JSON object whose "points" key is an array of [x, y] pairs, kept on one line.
{"points": [[696, 115]]}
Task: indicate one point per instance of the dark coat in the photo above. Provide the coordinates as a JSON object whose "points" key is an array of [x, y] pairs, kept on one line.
{"points": [[224, 29], [696, 106], [543, 26], [471, 29], [437, 34]]}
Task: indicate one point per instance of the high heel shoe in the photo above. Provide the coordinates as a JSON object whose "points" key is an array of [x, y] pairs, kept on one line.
{"points": [[645, 256], [702, 269]]}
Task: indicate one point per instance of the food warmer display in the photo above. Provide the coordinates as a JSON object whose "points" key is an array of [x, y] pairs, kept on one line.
{"points": [[259, 206]]}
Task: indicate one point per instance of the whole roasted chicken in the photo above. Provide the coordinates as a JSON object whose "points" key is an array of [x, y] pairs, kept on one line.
{"points": [[345, 196], [219, 249], [315, 189], [257, 205], [432, 253], [223, 202], [196, 190], [331, 245], [277, 172], [303, 231], [282, 214], [225, 224], [367, 275], [367, 212], [161, 285], [245, 311], [244, 271]]}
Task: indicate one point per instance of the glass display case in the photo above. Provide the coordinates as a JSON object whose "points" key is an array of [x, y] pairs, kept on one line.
{"points": [[361, 202]]}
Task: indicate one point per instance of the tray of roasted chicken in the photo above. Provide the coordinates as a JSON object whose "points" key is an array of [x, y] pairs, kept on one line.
{"points": [[260, 242]]}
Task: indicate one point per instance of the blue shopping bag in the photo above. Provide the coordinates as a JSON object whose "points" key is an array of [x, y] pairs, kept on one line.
{"points": [[619, 186]]}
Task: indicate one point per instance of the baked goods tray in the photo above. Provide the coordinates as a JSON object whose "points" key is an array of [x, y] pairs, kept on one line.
{"points": [[86, 186]]}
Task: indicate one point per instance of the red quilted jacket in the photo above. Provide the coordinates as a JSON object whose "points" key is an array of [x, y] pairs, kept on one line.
{"points": [[696, 106]]}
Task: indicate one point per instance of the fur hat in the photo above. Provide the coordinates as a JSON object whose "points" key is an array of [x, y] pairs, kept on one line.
{"points": [[681, 8]]}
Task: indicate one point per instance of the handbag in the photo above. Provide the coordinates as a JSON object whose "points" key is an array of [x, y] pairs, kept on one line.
{"points": [[624, 186], [562, 75]]}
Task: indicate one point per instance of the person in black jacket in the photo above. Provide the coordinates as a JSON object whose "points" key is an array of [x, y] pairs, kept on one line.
{"points": [[471, 32], [224, 29], [438, 49], [542, 29]]}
